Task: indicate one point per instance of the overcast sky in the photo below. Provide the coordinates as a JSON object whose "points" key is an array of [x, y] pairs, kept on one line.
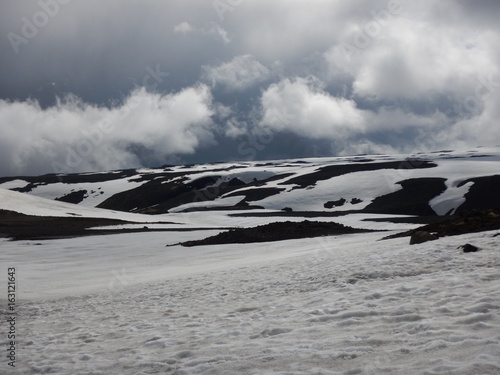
{"points": [[90, 85]]}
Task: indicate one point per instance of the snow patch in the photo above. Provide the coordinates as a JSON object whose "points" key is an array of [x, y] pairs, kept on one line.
{"points": [[448, 201]]}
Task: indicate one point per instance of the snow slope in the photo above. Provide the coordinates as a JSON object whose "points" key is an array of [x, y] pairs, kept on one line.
{"points": [[32, 205], [333, 305]]}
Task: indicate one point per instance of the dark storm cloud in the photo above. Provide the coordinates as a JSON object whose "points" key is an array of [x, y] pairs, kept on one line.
{"points": [[99, 50], [334, 76]]}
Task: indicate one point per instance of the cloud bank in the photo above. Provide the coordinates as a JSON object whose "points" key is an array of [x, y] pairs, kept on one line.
{"points": [[76, 136]]}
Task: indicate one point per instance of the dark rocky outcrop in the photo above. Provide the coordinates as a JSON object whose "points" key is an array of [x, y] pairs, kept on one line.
{"points": [[256, 194], [276, 232], [466, 222], [412, 199], [337, 203], [421, 237], [162, 195], [468, 248], [484, 193], [73, 197]]}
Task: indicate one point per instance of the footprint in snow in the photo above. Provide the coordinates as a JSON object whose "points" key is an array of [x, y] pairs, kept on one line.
{"points": [[271, 332]]}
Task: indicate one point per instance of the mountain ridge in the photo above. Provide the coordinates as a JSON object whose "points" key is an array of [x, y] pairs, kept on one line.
{"points": [[439, 183]]}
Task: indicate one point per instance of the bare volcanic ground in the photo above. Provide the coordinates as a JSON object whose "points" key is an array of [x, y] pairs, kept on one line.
{"points": [[277, 231], [470, 221], [17, 226]]}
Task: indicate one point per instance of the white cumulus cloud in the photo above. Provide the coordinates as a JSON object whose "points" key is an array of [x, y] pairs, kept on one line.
{"points": [[75, 136], [301, 105]]}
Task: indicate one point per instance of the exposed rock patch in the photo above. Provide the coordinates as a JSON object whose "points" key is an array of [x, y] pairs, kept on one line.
{"points": [[484, 193], [276, 232], [412, 199], [468, 248], [256, 194], [466, 222], [73, 197], [421, 237], [337, 203]]}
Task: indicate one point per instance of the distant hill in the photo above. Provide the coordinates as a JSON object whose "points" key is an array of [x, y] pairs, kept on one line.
{"points": [[439, 183]]}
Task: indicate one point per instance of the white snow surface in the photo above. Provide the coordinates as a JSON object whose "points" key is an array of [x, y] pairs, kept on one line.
{"points": [[126, 304], [448, 201], [97, 192], [32, 205], [14, 184]]}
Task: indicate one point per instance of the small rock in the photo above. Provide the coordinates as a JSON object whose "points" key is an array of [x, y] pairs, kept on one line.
{"points": [[421, 237], [287, 209], [468, 248], [338, 203]]}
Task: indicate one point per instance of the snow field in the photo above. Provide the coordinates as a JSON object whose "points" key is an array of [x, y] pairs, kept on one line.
{"points": [[97, 192], [32, 205], [332, 305]]}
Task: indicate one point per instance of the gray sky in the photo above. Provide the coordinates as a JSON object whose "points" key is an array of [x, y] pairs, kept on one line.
{"points": [[94, 85]]}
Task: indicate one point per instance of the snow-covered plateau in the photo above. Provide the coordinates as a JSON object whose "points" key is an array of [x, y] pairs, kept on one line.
{"points": [[125, 303]]}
